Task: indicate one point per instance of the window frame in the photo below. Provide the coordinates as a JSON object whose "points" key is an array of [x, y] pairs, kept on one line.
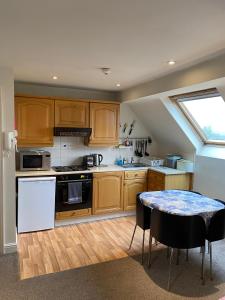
{"points": [[179, 99]]}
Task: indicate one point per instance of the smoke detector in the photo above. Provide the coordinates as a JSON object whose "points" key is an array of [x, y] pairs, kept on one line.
{"points": [[106, 71]]}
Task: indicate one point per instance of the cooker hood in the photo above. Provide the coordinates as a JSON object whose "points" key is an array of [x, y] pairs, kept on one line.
{"points": [[72, 131]]}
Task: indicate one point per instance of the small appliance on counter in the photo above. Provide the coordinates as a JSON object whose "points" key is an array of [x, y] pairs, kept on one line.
{"points": [[185, 165], [171, 160], [152, 161], [33, 160], [97, 159], [88, 161]]}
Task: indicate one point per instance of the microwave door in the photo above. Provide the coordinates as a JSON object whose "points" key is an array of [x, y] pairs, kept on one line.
{"points": [[32, 162]]}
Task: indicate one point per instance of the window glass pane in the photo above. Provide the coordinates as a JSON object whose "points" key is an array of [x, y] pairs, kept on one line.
{"points": [[209, 114]]}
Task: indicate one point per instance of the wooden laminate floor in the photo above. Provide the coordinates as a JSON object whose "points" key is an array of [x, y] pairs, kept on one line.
{"points": [[78, 245]]}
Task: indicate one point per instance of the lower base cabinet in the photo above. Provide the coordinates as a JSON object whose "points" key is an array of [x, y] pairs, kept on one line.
{"points": [[62, 215], [107, 192], [158, 181], [131, 188]]}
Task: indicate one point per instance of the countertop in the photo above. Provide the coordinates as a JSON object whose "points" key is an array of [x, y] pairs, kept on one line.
{"points": [[109, 168]]}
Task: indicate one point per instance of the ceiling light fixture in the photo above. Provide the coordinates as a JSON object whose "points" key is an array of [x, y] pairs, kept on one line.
{"points": [[106, 71], [54, 77], [118, 84], [171, 62]]}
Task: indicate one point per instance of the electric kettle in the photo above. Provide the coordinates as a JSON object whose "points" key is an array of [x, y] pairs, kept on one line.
{"points": [[97, 159]]}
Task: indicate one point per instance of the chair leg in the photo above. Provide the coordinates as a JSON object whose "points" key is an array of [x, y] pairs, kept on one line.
{"points": [[133, 236], [187, 255], [210, 253], [150, 249], [168, 252], [203, 261], [178, 255], [170, 267], [143, 247]]}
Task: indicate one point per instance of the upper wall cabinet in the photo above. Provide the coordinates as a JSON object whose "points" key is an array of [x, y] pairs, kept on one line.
{"points": [[71, 113], [104, 121], [34, 121]]}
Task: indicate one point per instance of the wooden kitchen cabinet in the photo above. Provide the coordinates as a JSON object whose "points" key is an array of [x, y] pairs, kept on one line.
{"points": [[104, 121], [158, 181], [107, 192], [34, 120], [69, 113], [135, 182]]}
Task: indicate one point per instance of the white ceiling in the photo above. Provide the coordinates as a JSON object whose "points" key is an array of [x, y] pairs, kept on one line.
{"points": [[73, 38]]}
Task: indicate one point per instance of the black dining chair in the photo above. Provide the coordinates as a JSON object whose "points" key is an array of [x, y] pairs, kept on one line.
{"points": [[180, 232], [215, 231], [143, 220]]}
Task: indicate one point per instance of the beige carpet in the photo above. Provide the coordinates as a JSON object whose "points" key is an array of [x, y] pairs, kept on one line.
{"points": [[120, 279]]}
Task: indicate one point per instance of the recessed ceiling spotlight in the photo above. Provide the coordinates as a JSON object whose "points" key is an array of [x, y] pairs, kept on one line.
{"points": [[171, 62], [118, 84], [54, 77]]}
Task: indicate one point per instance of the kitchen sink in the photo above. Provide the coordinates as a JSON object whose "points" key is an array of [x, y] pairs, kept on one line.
{"points": [[134, 165]]}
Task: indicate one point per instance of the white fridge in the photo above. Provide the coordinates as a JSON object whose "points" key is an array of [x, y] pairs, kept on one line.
{"points": [[36, 203]]}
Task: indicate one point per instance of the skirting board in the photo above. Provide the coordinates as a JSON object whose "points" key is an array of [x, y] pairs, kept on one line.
{"points": [[10, 248], [93, 218]]}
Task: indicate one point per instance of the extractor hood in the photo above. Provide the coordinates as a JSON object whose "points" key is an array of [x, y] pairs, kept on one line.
{"points": [[72, 131]]}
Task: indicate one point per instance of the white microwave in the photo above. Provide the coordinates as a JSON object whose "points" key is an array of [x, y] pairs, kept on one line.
{"points": [[32, 160]]}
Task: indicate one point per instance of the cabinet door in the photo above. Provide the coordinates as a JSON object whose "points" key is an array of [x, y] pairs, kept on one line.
{"points": [[156, 181], [34, 121], [131, 188], [104, 121], [179, 181], [107, 192], [71, 113]]}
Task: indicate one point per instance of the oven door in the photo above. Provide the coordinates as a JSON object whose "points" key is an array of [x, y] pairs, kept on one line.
{"points": [[73, 194]]}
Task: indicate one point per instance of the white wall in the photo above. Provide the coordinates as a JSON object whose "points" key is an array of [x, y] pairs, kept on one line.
{"points": [[208, 70], [169, 137], [209, 178], [7, 179], [35, 89]]}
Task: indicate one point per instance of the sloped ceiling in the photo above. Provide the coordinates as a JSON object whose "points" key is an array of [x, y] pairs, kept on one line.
{"points": [[167, 133]]}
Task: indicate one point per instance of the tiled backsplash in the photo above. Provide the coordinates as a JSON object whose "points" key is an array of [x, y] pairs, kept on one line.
{"points": [[70, 150]]}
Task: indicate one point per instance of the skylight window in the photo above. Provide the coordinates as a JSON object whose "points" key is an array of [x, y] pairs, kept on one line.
{"points": [[206, 112]]}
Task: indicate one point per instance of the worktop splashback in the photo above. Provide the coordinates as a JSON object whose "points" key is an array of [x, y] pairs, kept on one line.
{"points": [[70, 150]]}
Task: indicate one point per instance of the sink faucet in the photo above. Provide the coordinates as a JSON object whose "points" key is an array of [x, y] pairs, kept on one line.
{"points": [[131, 160], [124, 160]]}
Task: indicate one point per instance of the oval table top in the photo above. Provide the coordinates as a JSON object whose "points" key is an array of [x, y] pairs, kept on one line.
{"points": [[184, 203]]}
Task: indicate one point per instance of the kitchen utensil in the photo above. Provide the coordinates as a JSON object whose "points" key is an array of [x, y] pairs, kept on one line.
{"points": [[125, 127], [131, 127], [146, 144], [140, 151]]}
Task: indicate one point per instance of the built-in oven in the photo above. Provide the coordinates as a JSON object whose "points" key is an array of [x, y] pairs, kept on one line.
{"points": [[73, 191]]}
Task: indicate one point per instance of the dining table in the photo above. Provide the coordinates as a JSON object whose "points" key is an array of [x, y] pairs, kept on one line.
{"points": [[184, 203]]}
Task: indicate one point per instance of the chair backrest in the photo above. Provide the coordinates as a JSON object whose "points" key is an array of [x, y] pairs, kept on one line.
{"points": [[216, 228], [221, 201], [143, 214], [182, 232]]}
